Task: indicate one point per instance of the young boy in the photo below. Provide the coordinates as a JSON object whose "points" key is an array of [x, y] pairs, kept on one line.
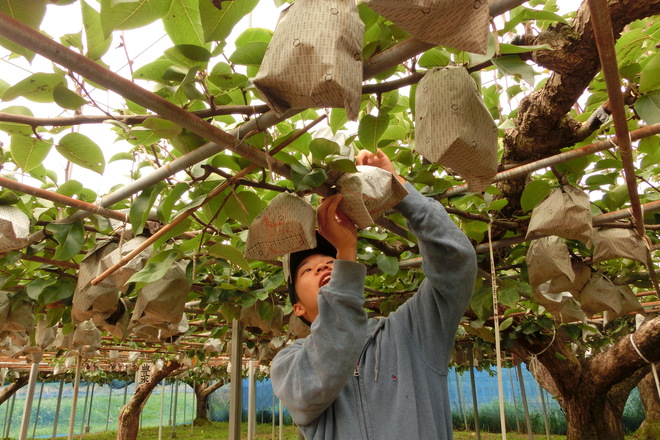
{"points": [[354, 378]]}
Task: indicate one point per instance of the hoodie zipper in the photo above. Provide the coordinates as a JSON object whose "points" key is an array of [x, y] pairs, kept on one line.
{"points": [[361, 412]]}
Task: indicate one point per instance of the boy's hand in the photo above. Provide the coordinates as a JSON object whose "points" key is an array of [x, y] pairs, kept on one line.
{"points": [[337, 228], [379, 160]]}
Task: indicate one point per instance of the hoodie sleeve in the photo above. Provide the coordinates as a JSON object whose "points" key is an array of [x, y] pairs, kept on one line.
{"points": [[309, 374], [449, 263]]}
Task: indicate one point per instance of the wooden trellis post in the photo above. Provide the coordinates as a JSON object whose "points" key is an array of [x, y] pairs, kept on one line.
{"points": [[281, 419], [545, 413], [252, 397], [11, 415], [36, 417], [459, 386], [236, 392], [475, 404], [194, 412], [176, 396], [84, 415], [107, 418], [524, 401], [76, 388], [162, 403], [185, 395], [29, 398], [57, 410], [169, 421], [515, 405]]}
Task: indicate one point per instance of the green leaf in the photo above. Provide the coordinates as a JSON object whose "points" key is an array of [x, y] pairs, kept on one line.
{"points": [[312, 179], [513, 65], [70, 238], [154, 71], [121, 156], [28, 152], [97, 44], [15, 128], [388, 265], [434, 57], [338, 119], [8, 197], [30, 13], [509, 295], [183, 22], [167, 204], [218, 23], [344, 165], [648, 107], [254, 34], [37, 286], [481, 302], [322, 148], [131, 15], [506, 323], [249, 55], [140, 208], [188, 55], [70, 188], [4, 85], [527, 14], [231, 254], [162, 127], [616, 197], [37, 87], [61, 290], [179, 229], [370, 130], [156, 267], [180, 66], [511, 48], [395, 132], [82, 151], [534, 192], [66, 98], [244, 206]]}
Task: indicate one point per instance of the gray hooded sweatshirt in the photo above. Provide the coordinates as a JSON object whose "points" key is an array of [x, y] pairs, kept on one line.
{"points": [[353, 378]]}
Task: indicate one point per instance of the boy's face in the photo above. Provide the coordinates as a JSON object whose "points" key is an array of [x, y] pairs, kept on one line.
{"points": [[313, 273]]}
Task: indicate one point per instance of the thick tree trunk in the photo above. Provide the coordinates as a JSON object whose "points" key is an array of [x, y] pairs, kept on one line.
{"points": [[543, 126], [592, 391], [129, 417], [202, 392], [650, 429], [11, 389]]}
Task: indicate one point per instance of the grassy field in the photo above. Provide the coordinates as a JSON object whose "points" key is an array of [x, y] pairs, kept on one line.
{"points": [[220, 430]]}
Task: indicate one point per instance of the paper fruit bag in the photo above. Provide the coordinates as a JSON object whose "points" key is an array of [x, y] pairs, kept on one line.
{"points": [[612, 243], [461, 24], [163, 301], [548, 258], [454, 128], [368, 194], [565, 212], [314, 58], [286, 225], [120, 276], [14, 228], [90, 300], [599, 295]]}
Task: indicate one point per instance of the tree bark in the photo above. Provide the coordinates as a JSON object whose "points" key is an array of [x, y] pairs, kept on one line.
{"points": [[129, 417], [543, 126], [11, 389], [202, 392], [593, 391], [650, 428]]}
